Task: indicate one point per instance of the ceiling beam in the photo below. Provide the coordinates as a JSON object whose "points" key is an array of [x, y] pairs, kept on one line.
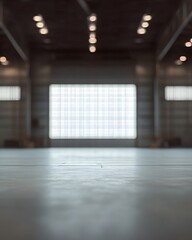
{"points": [[174, 29], [12, 31], [84, 6]]}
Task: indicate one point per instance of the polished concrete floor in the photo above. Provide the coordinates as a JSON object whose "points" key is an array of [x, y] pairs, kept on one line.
{"points": [[96, 194]]}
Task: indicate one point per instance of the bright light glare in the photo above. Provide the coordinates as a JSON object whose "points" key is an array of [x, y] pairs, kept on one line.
{"points": [[40, 24], [92, 27], [93, 18], [92, 40], [92, 111], [3, 59], [183, 58], [147, 17], [145, 24], [37, 18], [188, 44], [141, 31], [92, 35], [43, 31], [92, 49]]}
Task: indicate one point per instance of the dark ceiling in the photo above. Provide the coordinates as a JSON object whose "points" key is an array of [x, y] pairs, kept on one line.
{"points": [[117, 23]]}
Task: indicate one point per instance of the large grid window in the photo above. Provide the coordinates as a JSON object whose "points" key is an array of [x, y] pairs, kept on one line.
{"points": [[10, 93], [92, 111], [178, 93]]}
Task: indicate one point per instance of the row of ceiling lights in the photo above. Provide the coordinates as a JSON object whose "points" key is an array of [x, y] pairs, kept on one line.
{"points": [[183, 59], [4, 61], [40, 24], [142, 29], [92, 19]]}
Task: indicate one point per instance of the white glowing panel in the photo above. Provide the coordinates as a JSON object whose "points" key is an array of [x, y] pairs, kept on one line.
{"points": [[10, 93], [178, 93], [92, 111]]}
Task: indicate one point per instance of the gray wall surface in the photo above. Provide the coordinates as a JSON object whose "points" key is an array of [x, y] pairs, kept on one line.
{"points": [[139, 68], [13, 113], [175, 116]]}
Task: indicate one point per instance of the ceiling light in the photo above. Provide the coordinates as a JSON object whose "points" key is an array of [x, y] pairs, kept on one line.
{"points": [[93, 18], [92, 27], [188, 44], [37, 18], [3, 59], [92, 49], [190, 40], [40, 24], [92, 35], [141, 31], [43, 31], [147, 17], [178, 62], [92, 40], [183, 58], [145, 24]]}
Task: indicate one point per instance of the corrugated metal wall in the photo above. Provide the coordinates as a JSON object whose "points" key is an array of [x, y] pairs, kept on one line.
{"points": [[41, 75], [175, 116], [145, 75], [12, 113]]}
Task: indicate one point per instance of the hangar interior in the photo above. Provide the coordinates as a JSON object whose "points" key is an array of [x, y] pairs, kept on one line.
{"points": [[95, 119], [123, 56]]}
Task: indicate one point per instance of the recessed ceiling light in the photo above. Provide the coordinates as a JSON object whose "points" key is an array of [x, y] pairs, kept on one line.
{"points": [[178, 62], [188, 44], [43, 31], [92, 27], [40, 24], [141, 30], [92, 35], [92, 49], [183, 58], [93, 18], [145, 24], [37, 18], [3, 59], [92, 40], [147, 17]]}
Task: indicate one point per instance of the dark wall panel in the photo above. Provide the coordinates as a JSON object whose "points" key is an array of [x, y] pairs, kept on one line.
{"points": [[12, 113], [175, 116]]}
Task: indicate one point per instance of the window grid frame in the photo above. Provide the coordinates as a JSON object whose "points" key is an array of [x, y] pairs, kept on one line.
{"points": [[10, 93], [178, 93], [86, 133]]}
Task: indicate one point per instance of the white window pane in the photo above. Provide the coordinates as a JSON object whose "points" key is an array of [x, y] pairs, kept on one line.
{"points": [[10, 93], [92, 111], [178, 93]]}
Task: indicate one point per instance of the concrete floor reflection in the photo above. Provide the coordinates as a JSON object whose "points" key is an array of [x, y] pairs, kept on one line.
{"points": [[95, 194]]}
